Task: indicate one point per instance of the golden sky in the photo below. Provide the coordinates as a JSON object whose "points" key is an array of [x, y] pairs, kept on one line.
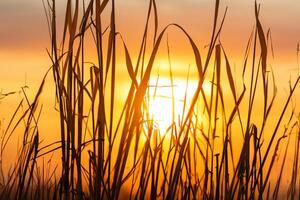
{"points": [[24, 35]]}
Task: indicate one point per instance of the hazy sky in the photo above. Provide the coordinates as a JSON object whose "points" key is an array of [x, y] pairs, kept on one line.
{"points": [[24, 35], [23, 23]]}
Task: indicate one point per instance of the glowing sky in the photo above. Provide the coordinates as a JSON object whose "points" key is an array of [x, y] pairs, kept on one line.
{"points": [[24, 35]]}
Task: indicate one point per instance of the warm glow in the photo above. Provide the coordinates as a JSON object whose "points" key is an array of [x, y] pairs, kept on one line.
{"points": [[161, 103], [160, 110], [149, 99]]}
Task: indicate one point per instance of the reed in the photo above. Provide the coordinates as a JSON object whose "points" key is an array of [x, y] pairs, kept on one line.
{"points": [[117, 153]]}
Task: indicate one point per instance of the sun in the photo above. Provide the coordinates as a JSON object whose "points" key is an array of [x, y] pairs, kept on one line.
{"points": [[166, 102], [160, 111]]}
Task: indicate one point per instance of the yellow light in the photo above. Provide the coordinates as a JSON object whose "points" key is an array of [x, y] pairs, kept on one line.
{"points": [[160, 102]]}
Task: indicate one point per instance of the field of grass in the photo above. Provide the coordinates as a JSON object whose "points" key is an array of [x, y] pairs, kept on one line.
{"points": [[226, 143]]}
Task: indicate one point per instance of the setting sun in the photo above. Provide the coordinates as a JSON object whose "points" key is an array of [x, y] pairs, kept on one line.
{"points": [[163, 98]]}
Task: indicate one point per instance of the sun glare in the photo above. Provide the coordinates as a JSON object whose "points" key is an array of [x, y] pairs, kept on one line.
{"points": [[161, 99]]}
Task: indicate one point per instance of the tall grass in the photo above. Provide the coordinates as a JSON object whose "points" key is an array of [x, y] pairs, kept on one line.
{"points": [[112, 153]]}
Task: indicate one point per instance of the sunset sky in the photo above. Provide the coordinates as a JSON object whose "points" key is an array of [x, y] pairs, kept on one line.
{"points": [[24, 35], [24, 40]]}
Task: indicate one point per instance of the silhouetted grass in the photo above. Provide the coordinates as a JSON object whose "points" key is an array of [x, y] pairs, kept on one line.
{"points": [[118, 153]]}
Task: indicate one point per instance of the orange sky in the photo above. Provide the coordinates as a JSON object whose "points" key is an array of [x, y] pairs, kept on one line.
{"points": [[23, 23], [24, 35]]}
